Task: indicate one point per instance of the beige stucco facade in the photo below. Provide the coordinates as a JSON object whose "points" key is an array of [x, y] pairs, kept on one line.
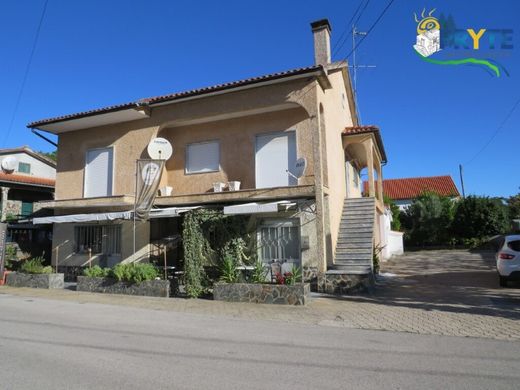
{"points": [[315, 103]]}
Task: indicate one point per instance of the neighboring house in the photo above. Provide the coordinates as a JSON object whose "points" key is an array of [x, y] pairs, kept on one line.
{"points": [[404, 191], [26, 178], [251, 131]]}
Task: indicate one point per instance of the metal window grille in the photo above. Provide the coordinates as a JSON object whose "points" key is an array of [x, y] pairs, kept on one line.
{"points": [[279, 241], [101, 239]]}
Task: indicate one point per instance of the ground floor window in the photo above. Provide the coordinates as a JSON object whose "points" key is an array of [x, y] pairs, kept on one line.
{"points": [[101, 239], [279, 240]]}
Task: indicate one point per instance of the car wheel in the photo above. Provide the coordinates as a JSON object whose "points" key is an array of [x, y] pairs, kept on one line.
{"points": [[503, 281]]}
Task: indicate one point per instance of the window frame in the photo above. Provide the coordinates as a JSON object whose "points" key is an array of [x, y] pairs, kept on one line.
{"points": [[291, 181], [112, 149], [279, 223], [103, 244], [28, 165], [187, 157]]}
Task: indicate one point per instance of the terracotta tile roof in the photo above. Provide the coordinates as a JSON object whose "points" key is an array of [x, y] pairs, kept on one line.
{"points": [[409, 188], [178, 95], [355, 130], [22, 179]]}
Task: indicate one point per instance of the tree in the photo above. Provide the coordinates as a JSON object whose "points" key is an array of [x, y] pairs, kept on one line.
{"points": [[51, 155], [513, 204], [428, 219], [478, 217]]}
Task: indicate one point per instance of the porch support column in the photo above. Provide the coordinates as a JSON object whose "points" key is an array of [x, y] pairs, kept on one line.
{"points": [[5, 192], [379, 181], [370, 165]]}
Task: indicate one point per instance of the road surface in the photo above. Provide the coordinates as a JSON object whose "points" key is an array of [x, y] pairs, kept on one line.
{"points": [[54, 344]]}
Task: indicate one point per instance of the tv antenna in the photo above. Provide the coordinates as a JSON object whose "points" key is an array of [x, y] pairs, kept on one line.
{"points": [[355, 66]]}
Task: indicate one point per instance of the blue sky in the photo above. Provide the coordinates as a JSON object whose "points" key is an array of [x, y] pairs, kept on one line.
{"points": [[96, 53]]}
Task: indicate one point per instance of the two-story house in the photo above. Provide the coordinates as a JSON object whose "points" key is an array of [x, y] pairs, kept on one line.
{"points": [[26, 178], [251, 131]]}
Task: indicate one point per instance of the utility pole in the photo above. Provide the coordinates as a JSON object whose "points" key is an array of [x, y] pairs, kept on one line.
{"points": [[461, 181]]}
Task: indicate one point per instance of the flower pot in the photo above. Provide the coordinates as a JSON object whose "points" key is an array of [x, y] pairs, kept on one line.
{"points": [[166, 191], [234, 185], [218, 187]]}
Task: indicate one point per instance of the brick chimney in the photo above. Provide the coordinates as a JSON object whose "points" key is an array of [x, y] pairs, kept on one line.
{"points": [[321, 31]]}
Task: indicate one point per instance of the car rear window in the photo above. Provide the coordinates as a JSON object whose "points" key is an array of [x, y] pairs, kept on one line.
{"points": [[514, 245]]}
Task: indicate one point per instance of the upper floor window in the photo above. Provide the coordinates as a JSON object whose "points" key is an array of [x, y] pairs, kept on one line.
{"points": [[24, 167], [98, 172], [203, 157]]}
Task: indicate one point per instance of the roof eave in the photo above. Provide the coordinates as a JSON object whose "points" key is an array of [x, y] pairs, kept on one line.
{"points": [[315, 71]]}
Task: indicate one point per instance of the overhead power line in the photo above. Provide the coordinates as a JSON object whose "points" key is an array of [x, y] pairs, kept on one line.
{"points": [[25, 75], [343, 38], [370, 29], [499, 128]]}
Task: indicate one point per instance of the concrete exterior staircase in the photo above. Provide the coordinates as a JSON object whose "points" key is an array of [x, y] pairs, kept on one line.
{"points": [[356, 237]]}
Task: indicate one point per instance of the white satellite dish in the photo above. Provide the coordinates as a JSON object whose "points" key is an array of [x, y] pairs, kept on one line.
{"points": [[299, 167], [160, 149], [9, 164]]}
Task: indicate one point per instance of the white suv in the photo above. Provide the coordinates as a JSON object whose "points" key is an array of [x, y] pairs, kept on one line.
{"points": [[508, 259]]}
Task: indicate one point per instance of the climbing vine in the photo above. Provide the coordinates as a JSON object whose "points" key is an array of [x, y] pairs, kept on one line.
{"points": [[209, 237]]}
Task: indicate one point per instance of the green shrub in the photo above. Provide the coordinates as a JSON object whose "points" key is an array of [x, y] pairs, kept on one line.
{"points": [[293, 276], [35, 266], [375, 258], [428, 219], [134, 272], [228, 270], [97, 272], [10, 257], [513, 204], [259, 272], [395, 225], [479, 217]]}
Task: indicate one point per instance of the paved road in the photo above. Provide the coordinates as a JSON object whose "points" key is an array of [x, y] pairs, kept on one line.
{"points": [[58, 344]]}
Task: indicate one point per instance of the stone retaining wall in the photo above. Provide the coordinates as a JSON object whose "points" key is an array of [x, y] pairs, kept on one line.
{"points": [[341, 283], [297, 294], [150, 288], [18, 279]]}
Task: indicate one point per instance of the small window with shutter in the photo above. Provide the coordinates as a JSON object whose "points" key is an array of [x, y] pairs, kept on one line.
{"points": [[203, 157], [98, 172]]}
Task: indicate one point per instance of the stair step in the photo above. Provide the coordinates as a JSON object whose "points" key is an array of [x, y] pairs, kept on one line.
{"points": [[347, 239], [356, 229], [360, 209], [365, 236], [354, 250], [363, 269], [358, 213], [357, 258], [353, 245], [359, 224], [353, 263]]}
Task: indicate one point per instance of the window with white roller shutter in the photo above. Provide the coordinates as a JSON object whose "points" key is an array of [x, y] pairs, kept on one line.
{"points": [[98, 172], [203, 157]]}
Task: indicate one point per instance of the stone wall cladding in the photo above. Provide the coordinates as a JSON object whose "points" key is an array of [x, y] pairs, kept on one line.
{"points": [[339, 283], [18, 279], [311, 275], [149, 288], [297, 294]]}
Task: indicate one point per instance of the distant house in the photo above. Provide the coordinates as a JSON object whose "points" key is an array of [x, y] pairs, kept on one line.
{"points": [[404, 191], [26, 178]]}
